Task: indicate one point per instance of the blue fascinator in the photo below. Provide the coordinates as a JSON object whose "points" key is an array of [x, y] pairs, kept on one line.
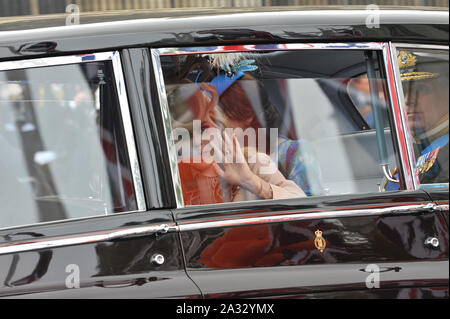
{"points": [[222, 82]]}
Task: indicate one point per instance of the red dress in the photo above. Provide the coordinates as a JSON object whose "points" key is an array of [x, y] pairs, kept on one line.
{"points": [[200, 184]]}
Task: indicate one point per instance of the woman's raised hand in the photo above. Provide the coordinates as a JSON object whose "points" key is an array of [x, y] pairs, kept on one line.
{"points": [[235, 169]]}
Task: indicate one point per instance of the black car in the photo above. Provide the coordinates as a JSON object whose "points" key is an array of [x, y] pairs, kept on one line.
{"points": [[285, 154]]}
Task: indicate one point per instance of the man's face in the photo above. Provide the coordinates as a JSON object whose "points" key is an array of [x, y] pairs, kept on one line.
{"points": [[426, 103]]}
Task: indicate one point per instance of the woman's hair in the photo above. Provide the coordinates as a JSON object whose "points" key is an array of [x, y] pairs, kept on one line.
{"points": [[247, 98]]}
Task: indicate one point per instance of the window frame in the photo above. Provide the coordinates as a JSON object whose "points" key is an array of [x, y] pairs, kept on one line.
{"points": [[402, 108], [125, 114], [397, 127]]}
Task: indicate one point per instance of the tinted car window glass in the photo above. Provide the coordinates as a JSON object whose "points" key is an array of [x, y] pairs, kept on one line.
{"points": [[424, 76], [359, 92], [292, 117], [63, 146]]}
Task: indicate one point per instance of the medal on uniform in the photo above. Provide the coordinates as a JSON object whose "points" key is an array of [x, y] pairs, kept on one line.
{"points": [[427, 160], [431, 159]]}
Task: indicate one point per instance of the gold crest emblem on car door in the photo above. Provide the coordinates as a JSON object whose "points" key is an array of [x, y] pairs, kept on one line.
{"points": [[320, 242]]}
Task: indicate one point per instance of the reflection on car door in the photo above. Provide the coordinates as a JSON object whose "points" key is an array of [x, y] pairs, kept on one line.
{"points": [[107, 257], [268, 250]]}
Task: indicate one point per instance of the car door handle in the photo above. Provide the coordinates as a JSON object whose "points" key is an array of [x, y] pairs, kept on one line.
{"points": [[432, 242]]}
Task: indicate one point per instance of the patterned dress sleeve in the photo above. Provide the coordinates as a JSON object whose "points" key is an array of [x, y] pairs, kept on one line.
{"points": [[297, 162]]}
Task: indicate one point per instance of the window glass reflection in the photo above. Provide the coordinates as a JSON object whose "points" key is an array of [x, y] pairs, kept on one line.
{"points": [[277, 124], [63, 148]]}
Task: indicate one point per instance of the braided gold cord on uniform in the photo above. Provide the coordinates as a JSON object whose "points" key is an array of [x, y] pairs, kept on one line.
{"points": [[418, 76]]}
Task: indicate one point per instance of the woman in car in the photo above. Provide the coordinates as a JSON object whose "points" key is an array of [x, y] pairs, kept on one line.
{"points": [[249, 175], [244, 99]]}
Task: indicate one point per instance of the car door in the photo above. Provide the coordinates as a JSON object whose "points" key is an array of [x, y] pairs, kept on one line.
{"points": [[358, 227], [82, 215]]}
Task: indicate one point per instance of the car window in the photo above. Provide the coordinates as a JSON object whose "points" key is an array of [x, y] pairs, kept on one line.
{"points": [[63, 147], [290, 115], [424, 78], [359, 93]]}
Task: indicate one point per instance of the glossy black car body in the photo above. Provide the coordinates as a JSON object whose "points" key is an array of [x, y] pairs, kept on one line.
{"points": [[386, 229]]}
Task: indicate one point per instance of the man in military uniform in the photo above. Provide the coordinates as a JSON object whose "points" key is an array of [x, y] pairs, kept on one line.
{"points": [[426, 99], [425, 87]]}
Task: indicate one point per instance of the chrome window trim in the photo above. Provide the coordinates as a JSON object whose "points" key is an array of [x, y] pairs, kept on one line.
{"points": [[54, 61], [86, 238], [114, 57], [156, 53], [128, 130], [290, 217], [402, 104], [167, 124], [400, 118], [420, 46], [70, 240], [64, 221], [268, 47]]}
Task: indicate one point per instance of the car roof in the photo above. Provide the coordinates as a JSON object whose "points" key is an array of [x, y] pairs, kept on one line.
{"points": [[206, 27], [54, 20]]}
